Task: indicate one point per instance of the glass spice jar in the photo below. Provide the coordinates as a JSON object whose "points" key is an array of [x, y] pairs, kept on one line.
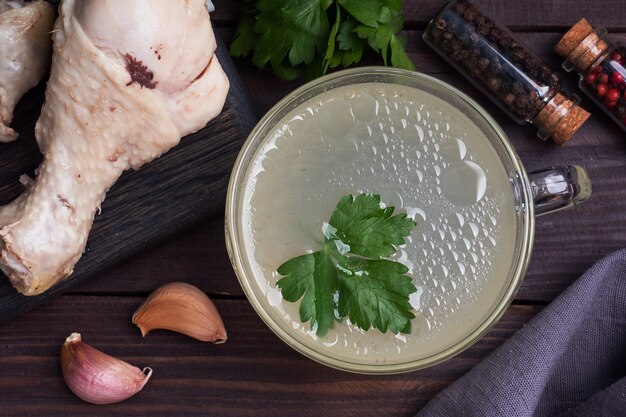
{"points": [[600, 64], [505, 70]]}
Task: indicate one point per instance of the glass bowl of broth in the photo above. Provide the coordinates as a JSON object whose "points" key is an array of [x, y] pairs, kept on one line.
{"points": [[428, 150]]}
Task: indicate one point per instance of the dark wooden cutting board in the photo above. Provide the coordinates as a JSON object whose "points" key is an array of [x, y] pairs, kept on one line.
{"points": [[144, 207]]}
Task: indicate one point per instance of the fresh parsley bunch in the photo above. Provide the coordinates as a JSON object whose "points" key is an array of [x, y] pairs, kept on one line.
{"points": [[307, 37], [350, 275]]}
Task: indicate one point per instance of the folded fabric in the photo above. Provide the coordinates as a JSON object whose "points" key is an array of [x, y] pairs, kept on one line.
{"points": [[570, 360]]}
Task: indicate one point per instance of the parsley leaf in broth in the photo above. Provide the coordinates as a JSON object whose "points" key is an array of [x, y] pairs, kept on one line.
{"points": [[349, 276]]}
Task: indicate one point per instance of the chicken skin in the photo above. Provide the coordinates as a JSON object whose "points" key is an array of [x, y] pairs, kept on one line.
{"points": [[25, 49], [128, 80]]}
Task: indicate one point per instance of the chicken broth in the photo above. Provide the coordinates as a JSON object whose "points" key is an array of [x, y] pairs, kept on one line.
{"points": [[424, 157]]}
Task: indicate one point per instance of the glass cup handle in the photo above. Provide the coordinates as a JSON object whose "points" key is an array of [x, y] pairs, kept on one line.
{"points": [[557, 188]]}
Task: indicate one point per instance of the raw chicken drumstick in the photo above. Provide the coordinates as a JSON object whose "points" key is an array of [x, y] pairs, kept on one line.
{"points": [[25, 49], [128, 80]]}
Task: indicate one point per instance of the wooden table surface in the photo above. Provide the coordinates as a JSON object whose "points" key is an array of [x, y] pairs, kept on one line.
{"points": [[254, 373]]}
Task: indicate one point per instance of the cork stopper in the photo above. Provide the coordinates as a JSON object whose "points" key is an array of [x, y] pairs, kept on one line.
{"points": [[560, 118], [573, 38], [582, 45]]}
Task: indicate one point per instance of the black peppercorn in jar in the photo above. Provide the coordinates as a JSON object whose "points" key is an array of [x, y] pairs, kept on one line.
{"points": [[521, 84], [601, 65]]}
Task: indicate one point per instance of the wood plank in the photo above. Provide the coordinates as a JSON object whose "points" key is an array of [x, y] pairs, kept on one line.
{"points": [[528, 15], [252, 374], [177, 190], [557, 15], [197, 255]]}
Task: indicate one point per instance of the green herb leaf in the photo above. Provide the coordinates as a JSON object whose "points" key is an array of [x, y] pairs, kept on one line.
{"points": [[312, 277], [386, 15], [297, 29], [399, 58], [369, 230], [245, 37], [332, 40], [287, 72], [348, 39], [352, 57], [369, 12], [347, 277], [384, 39], [295, 37], [375, 293], [327, 3], [350, 45]]}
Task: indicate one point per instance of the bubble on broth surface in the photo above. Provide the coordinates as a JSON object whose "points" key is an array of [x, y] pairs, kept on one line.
{"points": [[453, 150], [364, 106], [464, 183]]}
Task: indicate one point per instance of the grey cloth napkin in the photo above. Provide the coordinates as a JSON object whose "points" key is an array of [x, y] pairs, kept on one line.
{"points": [[570, 360]]}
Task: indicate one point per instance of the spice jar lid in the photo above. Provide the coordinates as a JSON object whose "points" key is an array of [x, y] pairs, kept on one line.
{"points": [[581, 46], [560, 118]]}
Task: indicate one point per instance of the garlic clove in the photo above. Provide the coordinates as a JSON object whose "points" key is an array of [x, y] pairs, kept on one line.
{"points": [[182, 308], [97, 377]]}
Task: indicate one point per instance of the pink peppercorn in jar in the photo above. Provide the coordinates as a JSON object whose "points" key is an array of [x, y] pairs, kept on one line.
{"points": [[601, 65]]}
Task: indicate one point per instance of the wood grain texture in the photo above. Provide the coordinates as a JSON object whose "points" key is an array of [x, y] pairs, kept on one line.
{"points": [[254, 373], [529, 15], [246, 376], [182, 187], [196, 255]]}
